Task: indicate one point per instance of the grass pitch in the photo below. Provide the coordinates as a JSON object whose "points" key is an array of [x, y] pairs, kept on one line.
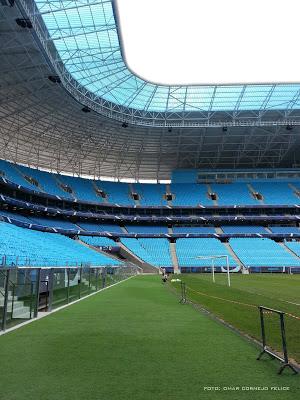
{"points": [[237, 305], [135, 341]]}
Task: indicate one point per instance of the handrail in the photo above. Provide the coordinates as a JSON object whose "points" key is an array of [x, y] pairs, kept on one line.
{"points": [[11, 282]]}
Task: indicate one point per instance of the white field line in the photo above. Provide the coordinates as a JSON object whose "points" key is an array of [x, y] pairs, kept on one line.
{"points": [[45, 314]]}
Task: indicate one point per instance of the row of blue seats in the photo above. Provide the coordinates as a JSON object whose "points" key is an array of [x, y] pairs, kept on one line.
{"points": [[24, 247], [260, 252], [184, 194], [151, 229], [195, 252], [28, 247]]}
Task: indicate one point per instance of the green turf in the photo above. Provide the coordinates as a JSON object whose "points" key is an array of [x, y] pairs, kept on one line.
{"points": [[276, 291], [133, 341]]}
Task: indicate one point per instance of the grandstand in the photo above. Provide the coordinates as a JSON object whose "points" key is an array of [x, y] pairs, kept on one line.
{"points": [[29, 247], [107, 181]]}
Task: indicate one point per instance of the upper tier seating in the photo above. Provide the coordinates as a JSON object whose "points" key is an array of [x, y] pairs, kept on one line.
{"points": [[82, 188], [261, 252], [10, 172], [99, 227], [146, 229], [47, 182], [243, 229], [184, 194], [98, 241], [189, 249], [276, 192], [28, 247], [150, 195], [190, 194], [233, 193], [153, 251], [194, 229], [117, 193]]}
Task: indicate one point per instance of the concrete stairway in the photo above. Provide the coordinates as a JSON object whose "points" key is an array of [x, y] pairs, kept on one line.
{"points": [[104, 199], [99, 250], [174, 258], [15, 307], [295, 191], [251, 189], [219, 230], [282, 244], [168, 190], [234, 256], [209, 190], [86, 283], [132, 190], [130, 256]]}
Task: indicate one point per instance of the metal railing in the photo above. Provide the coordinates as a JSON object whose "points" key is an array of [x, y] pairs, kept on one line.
{"points": [[27, 291]]}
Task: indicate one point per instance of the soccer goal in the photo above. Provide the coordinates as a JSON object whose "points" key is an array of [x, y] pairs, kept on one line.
{"points": [[213, 258]]}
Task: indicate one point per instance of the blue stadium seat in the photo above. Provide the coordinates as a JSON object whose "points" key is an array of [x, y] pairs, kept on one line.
{"points": [[190, 194], [194, 229], [100, 227], [243, 229], [262, 252], [294, 246], [189, 249], [98, 241], [284, 229], [10, 172], [28, 247], [153, 251], [54, 223], [151, 194], [276, 192], [233, 193], [47, 181], [83, 189], [147, 228], [118, 193]]}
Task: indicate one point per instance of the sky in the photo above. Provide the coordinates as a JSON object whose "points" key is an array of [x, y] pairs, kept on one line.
{"points": [[211, 41]]}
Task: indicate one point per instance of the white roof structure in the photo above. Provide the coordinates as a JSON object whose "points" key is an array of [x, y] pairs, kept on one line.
{"points": [[95, 117]]}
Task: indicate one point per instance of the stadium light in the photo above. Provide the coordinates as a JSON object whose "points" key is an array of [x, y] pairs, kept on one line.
{"points": [[186, 42]]}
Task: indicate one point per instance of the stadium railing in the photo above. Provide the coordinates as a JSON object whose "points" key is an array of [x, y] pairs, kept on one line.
{"points": [[27, 291]]}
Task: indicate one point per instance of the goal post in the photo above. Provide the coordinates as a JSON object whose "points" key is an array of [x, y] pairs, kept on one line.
{"points": [[213, 258]]}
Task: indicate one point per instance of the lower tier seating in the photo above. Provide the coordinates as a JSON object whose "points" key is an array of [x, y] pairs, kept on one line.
{"points": [[260, 252], [189, 249], [28, 247], [153, 251], [294, 246]]}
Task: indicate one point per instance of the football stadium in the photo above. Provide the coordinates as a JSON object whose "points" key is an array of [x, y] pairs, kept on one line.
{"points": [[149, 223]]}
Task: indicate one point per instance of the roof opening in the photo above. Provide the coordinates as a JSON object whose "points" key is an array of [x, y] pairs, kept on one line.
{"points": [[211, 42]]}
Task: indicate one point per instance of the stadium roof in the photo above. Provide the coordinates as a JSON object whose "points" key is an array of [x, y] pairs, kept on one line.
{"points": [[88, 57], [42, 123]]}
